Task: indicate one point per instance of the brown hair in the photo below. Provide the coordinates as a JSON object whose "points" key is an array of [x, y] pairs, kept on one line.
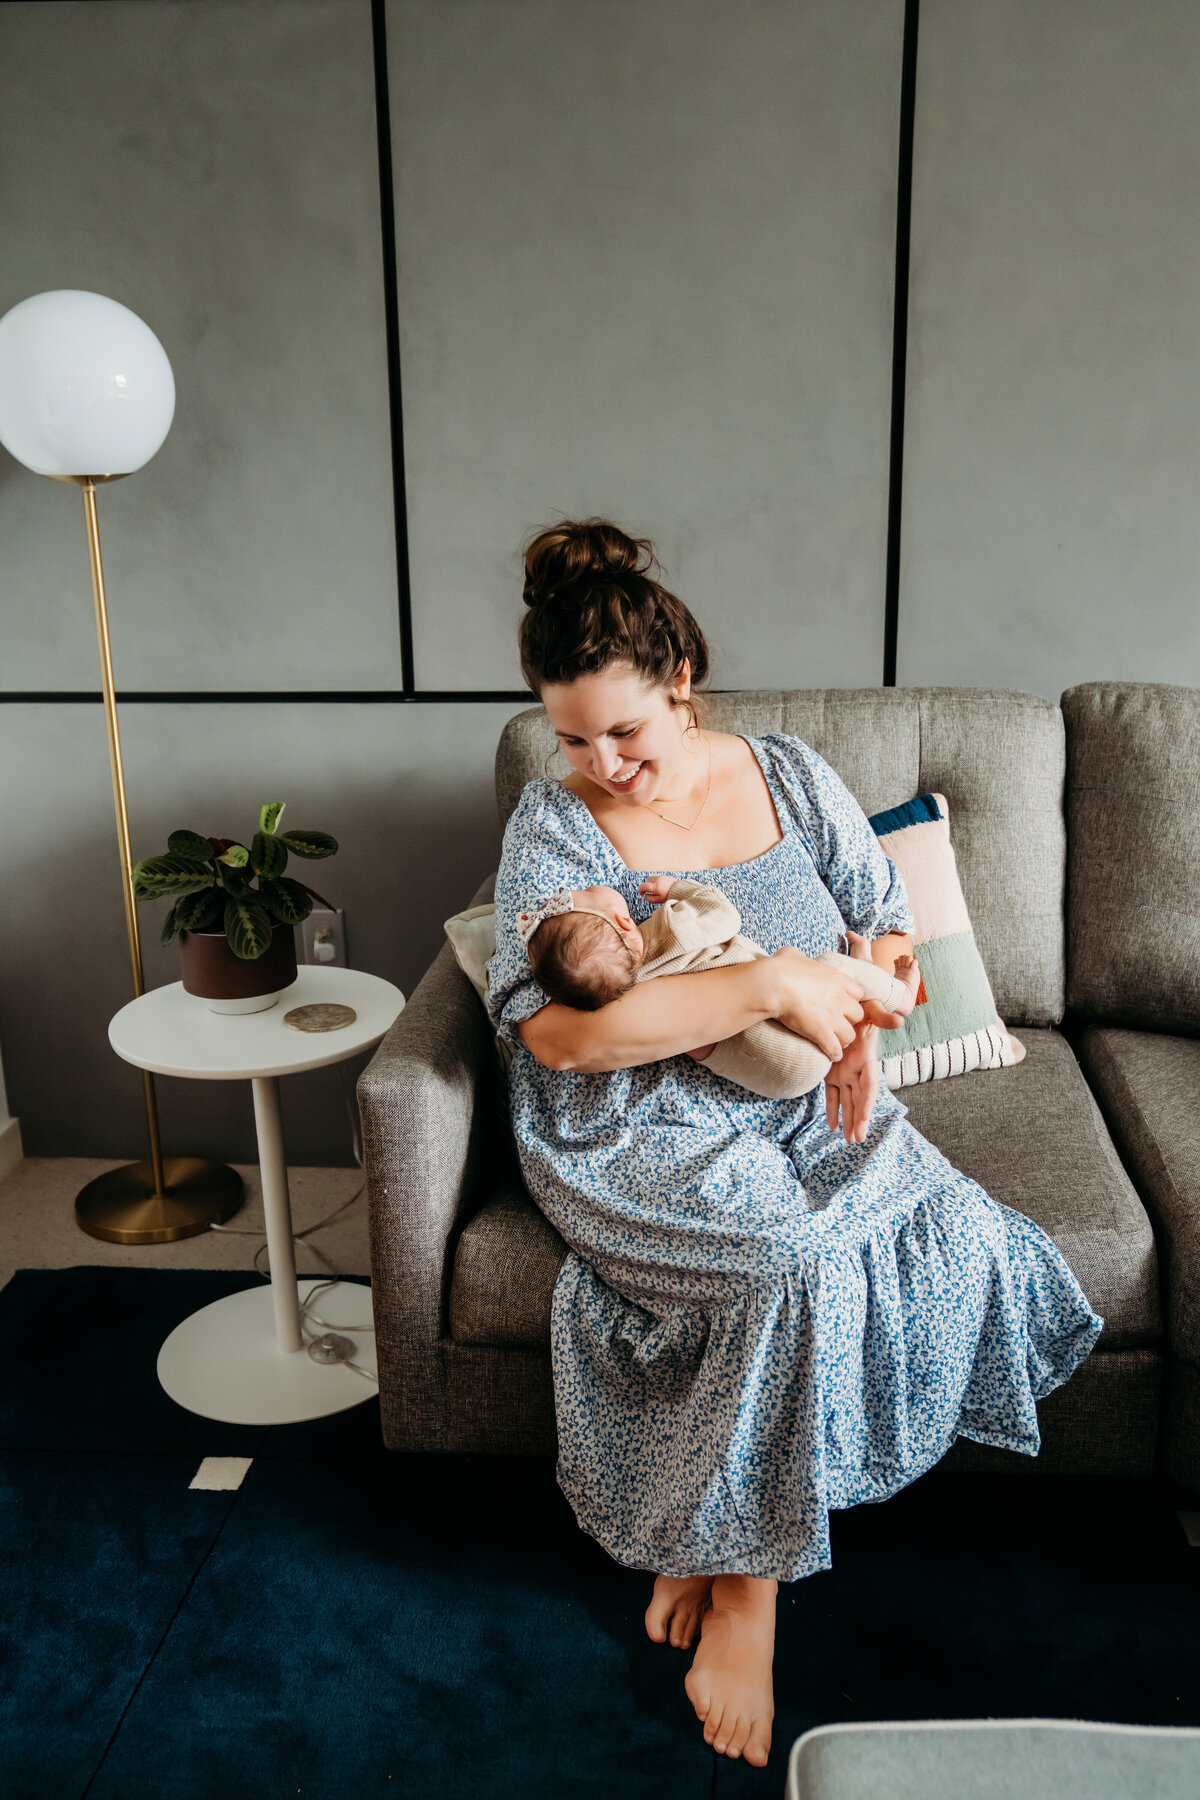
{"points": [[579, 961], [592, 603]]}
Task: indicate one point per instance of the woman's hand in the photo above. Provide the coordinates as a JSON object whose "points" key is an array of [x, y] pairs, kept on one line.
{"points": [[818, 1002], [852, 1085]]}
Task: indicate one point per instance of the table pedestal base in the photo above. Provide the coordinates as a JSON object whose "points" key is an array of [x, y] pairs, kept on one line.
{"points": [[224, 1362]]}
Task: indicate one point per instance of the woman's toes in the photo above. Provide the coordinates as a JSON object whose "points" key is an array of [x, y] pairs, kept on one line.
{"points": [[683, 1626], [696, 1687], [714, 1733], [675, 1606], [759, 1743], [725, 1740], [660, 1609], [736, 1741]]}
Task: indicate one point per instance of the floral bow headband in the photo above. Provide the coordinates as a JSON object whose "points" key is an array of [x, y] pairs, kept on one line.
{"points": [[561, 901]]}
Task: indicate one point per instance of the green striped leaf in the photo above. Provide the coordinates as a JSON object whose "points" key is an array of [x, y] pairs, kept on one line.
{"points": [[156, 875], [248, 927], [309, 843]]}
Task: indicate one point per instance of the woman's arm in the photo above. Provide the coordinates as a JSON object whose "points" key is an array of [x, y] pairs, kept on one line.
{"points": [[657, 1019]]}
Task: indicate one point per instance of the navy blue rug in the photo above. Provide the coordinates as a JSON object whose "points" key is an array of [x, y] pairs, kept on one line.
{"points": [[351, 1622]]}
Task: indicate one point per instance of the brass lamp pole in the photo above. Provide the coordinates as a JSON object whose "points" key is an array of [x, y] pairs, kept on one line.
{"points": [[85, 384]]}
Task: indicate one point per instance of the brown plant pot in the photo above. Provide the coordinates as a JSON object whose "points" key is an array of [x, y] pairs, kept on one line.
{"points": [[230, 985]]}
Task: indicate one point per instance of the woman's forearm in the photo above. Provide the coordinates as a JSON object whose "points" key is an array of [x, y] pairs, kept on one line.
{"points": [[653, 1020]]}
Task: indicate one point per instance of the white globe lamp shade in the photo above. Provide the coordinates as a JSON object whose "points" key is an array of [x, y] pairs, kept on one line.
{"points": [[85, 386]]}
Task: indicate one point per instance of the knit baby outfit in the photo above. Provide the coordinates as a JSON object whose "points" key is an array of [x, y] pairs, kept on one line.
{"points": [[697, 927]]}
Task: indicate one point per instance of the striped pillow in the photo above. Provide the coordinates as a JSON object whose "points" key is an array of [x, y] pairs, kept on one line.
{"points": [[954, 1027]]}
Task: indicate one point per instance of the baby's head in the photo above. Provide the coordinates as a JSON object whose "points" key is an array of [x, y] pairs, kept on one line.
{"points": [[588, 950]]}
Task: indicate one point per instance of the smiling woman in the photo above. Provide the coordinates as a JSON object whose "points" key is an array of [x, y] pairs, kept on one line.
{"points": [[761, 1316]]}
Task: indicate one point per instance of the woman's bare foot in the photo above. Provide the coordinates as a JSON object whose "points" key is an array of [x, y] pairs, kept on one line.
{"points": [[676, 1608], [729, 1682]]}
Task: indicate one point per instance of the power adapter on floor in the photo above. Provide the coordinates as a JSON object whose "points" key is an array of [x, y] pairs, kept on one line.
{"points": [[332, 1348]]}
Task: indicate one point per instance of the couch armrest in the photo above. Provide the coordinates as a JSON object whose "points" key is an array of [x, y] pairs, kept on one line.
{"points": [[435, 1143], [1146, 1083]]}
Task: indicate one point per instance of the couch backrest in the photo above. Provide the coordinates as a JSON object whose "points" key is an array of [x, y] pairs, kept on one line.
{"points": [[997, 756], [1133, 820]]}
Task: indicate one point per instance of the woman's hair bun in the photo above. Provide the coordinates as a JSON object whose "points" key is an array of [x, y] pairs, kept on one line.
{"points": [[592, 603], [581, 554]]}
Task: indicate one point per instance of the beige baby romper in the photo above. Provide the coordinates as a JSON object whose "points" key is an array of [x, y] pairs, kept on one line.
{"points": [[696, 927]]}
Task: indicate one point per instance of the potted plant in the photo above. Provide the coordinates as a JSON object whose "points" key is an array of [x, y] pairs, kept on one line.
{"points": [[236, 946]]}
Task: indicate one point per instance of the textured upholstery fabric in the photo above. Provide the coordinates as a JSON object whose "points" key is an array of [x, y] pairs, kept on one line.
{"points": [[1032, 1136], [505, 1268], [1148, 1085], [997, 756], [1134, 831], [1183, 1423], [1104, 1421], [434, 1144]]}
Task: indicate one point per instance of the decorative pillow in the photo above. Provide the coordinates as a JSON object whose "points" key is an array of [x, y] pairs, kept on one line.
{"points": [[954, 1026], [472, 935]]}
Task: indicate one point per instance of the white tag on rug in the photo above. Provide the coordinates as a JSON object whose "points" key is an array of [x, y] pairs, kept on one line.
{"points": [[221, 1472]]}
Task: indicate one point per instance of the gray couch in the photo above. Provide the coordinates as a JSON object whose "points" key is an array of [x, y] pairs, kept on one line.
{"points": [[1077, 833]]}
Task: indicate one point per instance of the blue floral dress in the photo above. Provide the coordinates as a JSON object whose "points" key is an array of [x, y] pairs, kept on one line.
{"points": [[758, 1321]]}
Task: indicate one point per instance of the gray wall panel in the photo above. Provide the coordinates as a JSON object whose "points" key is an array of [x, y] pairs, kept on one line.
{"points": [[407, 791], [645, 269], [1051, 533], [212, 165]]}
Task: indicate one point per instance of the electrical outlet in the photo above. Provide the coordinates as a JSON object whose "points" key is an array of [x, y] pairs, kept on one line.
{"points": [[323, 937]]}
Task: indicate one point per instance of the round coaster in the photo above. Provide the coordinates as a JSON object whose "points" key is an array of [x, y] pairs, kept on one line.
{"points": [[325, 1016]]}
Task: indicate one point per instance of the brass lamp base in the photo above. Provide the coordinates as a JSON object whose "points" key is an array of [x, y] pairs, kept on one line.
{"points": [[122, 1206]]}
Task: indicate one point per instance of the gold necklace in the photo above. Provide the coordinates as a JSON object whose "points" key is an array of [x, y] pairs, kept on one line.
{"points": [[707, 791]]}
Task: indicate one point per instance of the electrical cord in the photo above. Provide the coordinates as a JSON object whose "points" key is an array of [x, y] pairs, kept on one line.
{"points": [[307, 1317]]}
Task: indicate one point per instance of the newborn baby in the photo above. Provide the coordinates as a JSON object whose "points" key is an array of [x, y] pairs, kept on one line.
{"points": [[585, 950]]}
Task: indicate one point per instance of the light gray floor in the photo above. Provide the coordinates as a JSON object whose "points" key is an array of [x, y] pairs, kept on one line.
{"points": [[38, 1229]]}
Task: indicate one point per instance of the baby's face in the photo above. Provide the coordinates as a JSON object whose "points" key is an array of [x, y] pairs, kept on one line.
{"points": [[606, 900]]}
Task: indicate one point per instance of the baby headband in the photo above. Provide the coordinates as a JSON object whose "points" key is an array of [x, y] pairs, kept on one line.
{"points": [[559, 902]]}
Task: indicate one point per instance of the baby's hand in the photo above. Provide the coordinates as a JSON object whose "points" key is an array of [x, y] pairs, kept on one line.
{"points": [[657, 889]]}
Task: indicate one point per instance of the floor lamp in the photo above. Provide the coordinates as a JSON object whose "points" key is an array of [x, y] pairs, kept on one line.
{"points": [[87, 396]]}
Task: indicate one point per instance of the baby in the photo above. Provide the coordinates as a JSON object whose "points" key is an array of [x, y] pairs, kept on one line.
{"points": [[585, 950]]}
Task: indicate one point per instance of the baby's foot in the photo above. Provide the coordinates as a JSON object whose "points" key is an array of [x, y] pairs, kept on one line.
{"points": [[729, 1682], [677, 1606], [908, 974], [908, 981]]}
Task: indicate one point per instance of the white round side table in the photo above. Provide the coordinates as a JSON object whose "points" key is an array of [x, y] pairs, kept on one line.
{"points": [[244, 1359]]}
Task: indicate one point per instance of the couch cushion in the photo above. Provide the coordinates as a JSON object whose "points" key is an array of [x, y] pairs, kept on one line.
{"points": [[1034, 1138], [1031, 1135], [997, 756], [1133, 908], [1148, 1085], [505, 1267]]}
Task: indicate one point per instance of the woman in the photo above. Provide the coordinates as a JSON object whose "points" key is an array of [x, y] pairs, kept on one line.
{"points": [[759, 1318]]}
